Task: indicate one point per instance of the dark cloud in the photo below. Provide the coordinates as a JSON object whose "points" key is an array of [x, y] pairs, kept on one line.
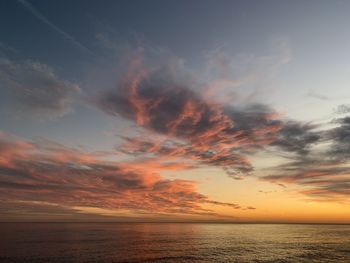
{"points": [[33, 88], [195, 128], [342, 109], [296, 137], [321, 181], [324, 174], [340, 138]]}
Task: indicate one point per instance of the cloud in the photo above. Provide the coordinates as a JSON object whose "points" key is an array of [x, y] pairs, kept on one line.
{"points": [[316, 95], [323, 174], [34, 89], [4, 49], [182, 122], [167, 104], [342, 109], [320, 180], [340, 137], [43, 19], [70, 178], [297, 137]]}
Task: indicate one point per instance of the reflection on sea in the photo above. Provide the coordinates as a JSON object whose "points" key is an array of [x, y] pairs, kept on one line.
{"points": [[153, 242]]}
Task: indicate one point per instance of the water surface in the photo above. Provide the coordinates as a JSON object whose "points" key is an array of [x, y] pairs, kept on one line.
{"points": [[153, 242]]}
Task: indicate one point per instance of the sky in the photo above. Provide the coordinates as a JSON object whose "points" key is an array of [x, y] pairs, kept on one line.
{"points": [[200, 111]]}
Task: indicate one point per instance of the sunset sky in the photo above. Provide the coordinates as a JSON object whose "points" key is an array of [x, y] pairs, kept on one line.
{"points": [[222, 111]]}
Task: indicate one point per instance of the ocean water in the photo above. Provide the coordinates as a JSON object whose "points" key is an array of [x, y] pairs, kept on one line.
{"points": [[169, 242]]}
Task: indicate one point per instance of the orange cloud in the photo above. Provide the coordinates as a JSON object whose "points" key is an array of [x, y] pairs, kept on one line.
{"points": [[54, 174]]}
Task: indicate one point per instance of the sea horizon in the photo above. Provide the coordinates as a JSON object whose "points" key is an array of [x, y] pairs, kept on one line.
{"points": [[173, 222]]}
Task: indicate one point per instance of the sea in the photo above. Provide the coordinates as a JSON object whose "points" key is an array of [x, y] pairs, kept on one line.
{"points": [[173, 242]]}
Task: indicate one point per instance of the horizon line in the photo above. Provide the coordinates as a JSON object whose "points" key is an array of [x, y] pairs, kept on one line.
{"points": [[175, 222]]}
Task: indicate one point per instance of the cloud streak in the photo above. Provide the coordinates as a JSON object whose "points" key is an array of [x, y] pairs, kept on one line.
{"points": [[64, 34], [323, 174]]}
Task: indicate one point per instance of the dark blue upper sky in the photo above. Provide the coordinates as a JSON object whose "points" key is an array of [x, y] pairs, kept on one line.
{"points": [[185, 27], [77, 40]]}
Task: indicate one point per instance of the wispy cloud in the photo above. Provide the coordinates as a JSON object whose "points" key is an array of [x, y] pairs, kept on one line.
{"points": [[33, 89], [63, 33], [316, 95]]}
